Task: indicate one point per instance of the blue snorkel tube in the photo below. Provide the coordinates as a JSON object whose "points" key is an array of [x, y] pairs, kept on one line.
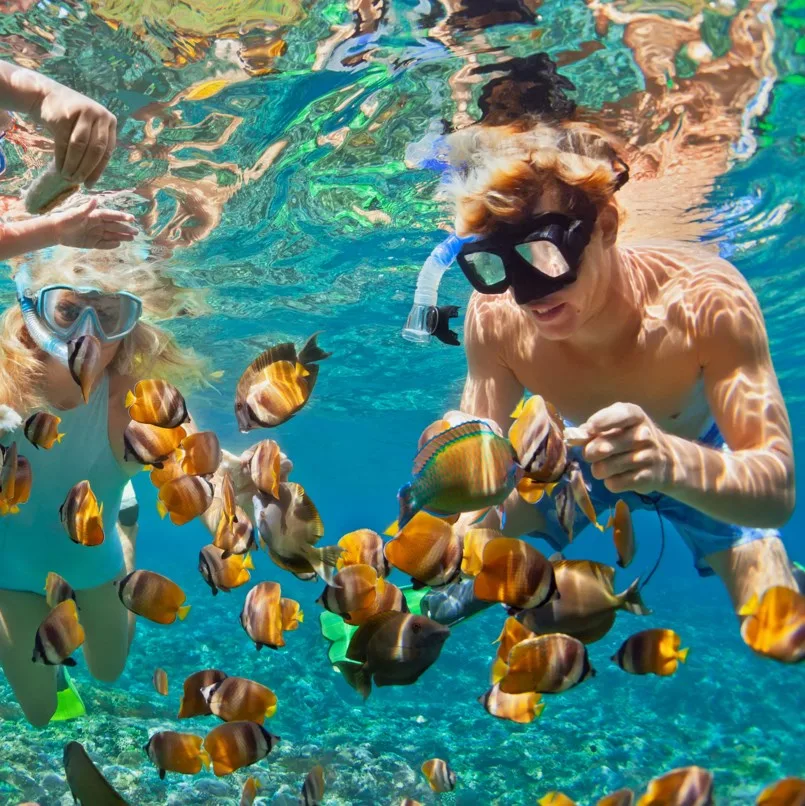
{"points": [[423, 321], [41, 335]]}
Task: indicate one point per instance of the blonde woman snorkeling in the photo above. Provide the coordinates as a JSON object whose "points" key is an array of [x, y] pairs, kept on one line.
{"points": [[61, 296]]}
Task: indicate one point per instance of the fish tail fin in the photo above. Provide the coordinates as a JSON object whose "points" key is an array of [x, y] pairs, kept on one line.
{"points": [[130, 399], [610, 520], [407, 504], [205, 759], [392, 529], [682, 655], [538, 709], [248, 563], [161, 509], [301, 371], [183, 611], [270, 711], [300, 617], [356, 676], [60, 437], [633, 602], [14, 510], [751, 607], [311, 352]]}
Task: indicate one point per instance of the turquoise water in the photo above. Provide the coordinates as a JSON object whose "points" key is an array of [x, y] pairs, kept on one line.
{"points": [[326, 232]]}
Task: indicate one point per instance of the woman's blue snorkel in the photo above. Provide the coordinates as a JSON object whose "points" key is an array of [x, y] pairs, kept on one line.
{"points": [[45, 340], [427, 318]]}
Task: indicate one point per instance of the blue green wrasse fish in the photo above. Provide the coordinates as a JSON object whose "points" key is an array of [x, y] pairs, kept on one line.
{"points": [[463, 469]]}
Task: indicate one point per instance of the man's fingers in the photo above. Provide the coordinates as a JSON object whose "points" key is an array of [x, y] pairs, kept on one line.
{"points": [[110, 139], [94, 152], [620, 463], [615, 442], [60, 153], [618, 415], [119, 229], [79, 140], [107, 244], [117, 216]]}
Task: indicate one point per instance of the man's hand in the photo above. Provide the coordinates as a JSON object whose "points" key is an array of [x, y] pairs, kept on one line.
{"points": [[627, 450], [91, 227], [84, 132]]}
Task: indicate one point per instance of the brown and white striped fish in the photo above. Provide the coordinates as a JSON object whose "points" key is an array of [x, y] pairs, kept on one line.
{"points": [[192, 702], [81, 516], [185, 498], [84, 362], [548, 664], [439, 775], [261, 616], [354, 593], [265, 467], [788, 792], [57, 590], [313, 788], [221, 573], [157, 402], [150, 444], [522, 708], [16, 480], [152, 596], [234, 535], [565, 510], [160, 681], [623, 533], [172, 751], [58, 636], [42, 430], [651, 652], [234, 745], [363, 547], [537, 436], [238, 698], [202, 453], [686, 786], [249, 791], [623, 797]]}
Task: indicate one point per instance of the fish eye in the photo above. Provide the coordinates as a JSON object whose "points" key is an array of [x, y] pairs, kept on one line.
{"points": [[415, 628]]}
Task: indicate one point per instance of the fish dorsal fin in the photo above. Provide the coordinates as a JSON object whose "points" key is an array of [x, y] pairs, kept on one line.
{"points": [[440, 441], [359, 644], [279, 352]]}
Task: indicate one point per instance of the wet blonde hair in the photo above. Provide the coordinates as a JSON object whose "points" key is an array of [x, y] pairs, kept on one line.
{"points": [[502, 171], [148, 351]]}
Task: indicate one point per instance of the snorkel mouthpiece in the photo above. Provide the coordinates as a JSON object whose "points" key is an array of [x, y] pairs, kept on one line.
{"points": [[44, 339], [419, 325]]}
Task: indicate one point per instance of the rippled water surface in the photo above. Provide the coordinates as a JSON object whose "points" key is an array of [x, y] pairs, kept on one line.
{"points": [[273, 152]]}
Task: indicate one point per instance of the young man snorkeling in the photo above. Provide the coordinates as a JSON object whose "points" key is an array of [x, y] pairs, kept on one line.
{"points": [[657, 351]]}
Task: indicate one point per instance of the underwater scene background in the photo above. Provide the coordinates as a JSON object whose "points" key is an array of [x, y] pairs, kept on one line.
{"points": [[269, 148]]}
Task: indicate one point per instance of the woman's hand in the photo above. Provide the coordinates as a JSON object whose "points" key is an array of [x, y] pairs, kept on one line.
{"points": [[91, 227], [627, 450]]}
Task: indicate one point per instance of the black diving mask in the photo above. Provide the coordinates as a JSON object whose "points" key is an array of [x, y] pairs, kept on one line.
{"points": [[534, 259]]}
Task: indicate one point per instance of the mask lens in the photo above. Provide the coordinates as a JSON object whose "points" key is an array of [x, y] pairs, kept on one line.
{"points": [[487, 267], [65, 311], [545, 257]]}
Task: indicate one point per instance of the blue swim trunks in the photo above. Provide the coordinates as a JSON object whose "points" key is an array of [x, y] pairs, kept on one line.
{"points": [[702, 534]]}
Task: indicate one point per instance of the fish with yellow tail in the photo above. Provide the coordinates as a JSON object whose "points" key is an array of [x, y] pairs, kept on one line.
{"points": [[152, 596], [261, 616], [160, 681], [16, 480], [774, 626], [439, 776], [556, 799], [58, 636], [475, 541], [587, 603], [622, 533], [157, 402], [224, 573], [354, 593], [277, 384], [363, 546], [192, 702], [623, 797], [521, 708], [185, 499], [548, 664], [249, 791], [81, 516], [87, 783], [234, 745], [651, 652], [512, 633], [57, 590], [150, 444], [468, 467], [169, 470], [291, 614], [171, 751], [537, 438], [238, 698], [687, 786], [266, 467], [313, 788], [788, 792], [427, 549], [234, 535], [42, 430], [201, 453], [84, 356]]}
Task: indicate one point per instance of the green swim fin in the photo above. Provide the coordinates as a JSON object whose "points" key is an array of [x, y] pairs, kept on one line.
{"points": [[70, 705]]}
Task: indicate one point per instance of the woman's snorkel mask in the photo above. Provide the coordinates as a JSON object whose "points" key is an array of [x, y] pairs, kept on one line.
{"points": [[58, 314]]}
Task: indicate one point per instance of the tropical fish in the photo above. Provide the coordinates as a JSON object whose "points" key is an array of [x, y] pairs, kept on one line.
{"points": [[651, 652], [224, 573], [160, 681], [623, 797], [81, 516], [58, 636], [427, 549], [42, 430], [392, 649], [472, 558], [234, 535], [249, 792], [84, 362], [687, 786], [292, 615], [515, 573], [512, 633], [229, 500], [313, 788], [159, 403], [86, 782], [587, 603], [774, 626], [556, 799], [265, 467], [464, 469], [169, 470], [410, 802], [192, 702], [237, 698], [565, 510], [16, 480], [788, 792], [548, 664], [261, 616], [363, 547], [177, 752], [150, 444], [57, 590], [439, 775], [623, 533], [202, 453], [233, 745], [185, 498], [532, 491], [353, 593], [152, 596], [522, 708], [578, 488], [277, 384], [537, 437], [290, 527]]}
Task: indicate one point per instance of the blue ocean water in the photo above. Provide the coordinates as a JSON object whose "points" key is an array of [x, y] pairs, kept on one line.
{"points": [[285, 195]]}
